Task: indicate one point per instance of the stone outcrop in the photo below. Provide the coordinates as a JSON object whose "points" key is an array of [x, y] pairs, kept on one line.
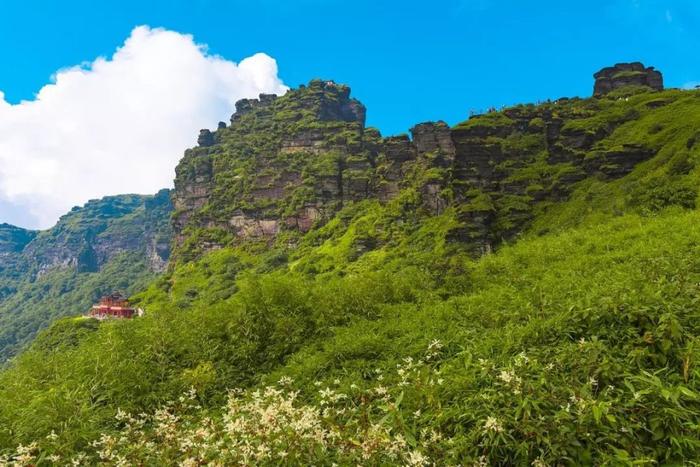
{"points": [[307, 155], [206, 138], [434, 137], [626, 74], [289, 163]]}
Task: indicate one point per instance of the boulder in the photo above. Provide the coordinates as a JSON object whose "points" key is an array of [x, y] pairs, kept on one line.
{"points": [[206, 138], [626, 74]]}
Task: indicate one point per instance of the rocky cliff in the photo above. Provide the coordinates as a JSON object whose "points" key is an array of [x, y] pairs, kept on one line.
{"points": [[286, 164], [283, 163], [626, 74]]}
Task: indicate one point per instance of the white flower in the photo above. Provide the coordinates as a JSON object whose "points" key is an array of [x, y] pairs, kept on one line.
{"points": [[285, 381], [521, 359], [435, 344], [506, 376], [492, 424], [416, 458]]}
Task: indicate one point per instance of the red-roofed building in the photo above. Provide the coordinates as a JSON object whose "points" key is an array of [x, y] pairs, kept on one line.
{"points": [[114, 305]]}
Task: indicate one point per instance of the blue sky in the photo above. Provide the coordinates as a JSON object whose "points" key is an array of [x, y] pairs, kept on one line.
{"points": [[407, 61]]}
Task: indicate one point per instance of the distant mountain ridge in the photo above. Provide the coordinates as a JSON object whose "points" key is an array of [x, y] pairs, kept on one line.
{"points": [[116, 242]]}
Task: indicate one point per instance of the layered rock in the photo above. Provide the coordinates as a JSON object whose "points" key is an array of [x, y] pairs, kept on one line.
{"points": [[289, 163], [626, 74]]}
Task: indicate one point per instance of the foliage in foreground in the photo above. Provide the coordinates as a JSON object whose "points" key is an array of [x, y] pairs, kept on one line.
{"points": [[272, 426], [576, 348]]}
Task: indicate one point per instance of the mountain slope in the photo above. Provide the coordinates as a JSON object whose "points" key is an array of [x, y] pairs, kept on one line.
{"points": [[519, 289], [12, 242], [109, 244]]}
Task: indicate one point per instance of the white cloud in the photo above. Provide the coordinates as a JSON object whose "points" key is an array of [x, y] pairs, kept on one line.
{"points": [[691, 85], [117, 125]]}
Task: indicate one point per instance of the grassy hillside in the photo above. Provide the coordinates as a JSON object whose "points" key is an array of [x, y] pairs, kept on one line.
{"points": [[578, 347], [378, 338], [12, 242], [115, 243], [65, 292]]}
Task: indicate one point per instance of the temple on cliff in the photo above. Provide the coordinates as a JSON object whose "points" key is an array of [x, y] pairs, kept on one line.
{"points": [[114, 306]]}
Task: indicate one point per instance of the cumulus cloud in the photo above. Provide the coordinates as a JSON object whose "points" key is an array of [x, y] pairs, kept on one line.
{"points": [[119, 124]]}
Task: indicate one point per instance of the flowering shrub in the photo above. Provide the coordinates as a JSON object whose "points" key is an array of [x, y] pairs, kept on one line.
{"points": [[267, 426]]}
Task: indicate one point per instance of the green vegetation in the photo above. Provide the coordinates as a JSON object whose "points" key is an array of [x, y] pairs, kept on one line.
{"points": [[378, 337], [12, 242], [489, 119], [91, 251], [628, 74], [592, 331], [65, 292]]}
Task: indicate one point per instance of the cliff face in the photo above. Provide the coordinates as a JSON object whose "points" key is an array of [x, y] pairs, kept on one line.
{"points": [[282, 163], [289, 163]]}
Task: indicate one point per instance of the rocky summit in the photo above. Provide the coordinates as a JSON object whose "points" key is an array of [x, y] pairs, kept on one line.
{"points": [[290, 163], [626, 74]]}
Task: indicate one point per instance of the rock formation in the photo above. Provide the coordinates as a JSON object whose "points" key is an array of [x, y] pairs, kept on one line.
{"points": [[289, 163], [626, 74], [206, 138]]}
